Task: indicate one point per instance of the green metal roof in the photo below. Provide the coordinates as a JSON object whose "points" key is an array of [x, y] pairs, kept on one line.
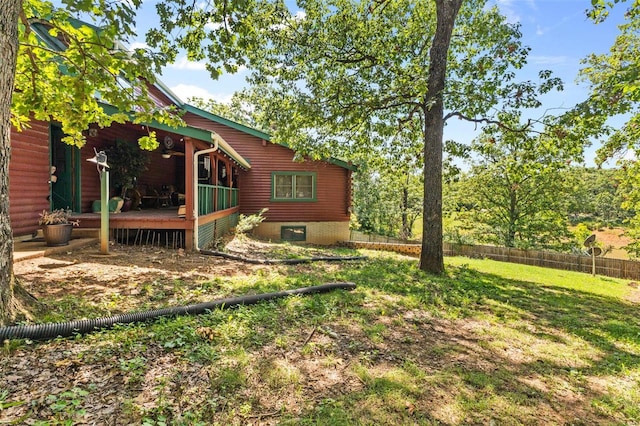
{"points": [[188, 131], [172, 96], [221, 120]]}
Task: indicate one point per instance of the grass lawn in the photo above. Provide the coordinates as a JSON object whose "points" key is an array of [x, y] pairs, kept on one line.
{"points": [[489, 343]]}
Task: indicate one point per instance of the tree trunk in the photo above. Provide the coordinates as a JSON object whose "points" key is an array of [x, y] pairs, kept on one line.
{"points": [[511, 226], [431, 257], [9, 48], [405, 232]]}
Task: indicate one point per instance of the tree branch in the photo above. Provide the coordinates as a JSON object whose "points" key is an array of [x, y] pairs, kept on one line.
{"points": [[25, 22], [500, 124]]}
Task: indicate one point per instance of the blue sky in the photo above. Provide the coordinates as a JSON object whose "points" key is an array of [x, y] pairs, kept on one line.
{"points": [[557, 31]]}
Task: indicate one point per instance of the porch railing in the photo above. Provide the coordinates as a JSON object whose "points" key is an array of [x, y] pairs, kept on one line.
{"points": [[213, 198]]}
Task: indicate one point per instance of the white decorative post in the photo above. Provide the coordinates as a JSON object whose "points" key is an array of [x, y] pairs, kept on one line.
{"points": [[100, 159], [104, 211]]}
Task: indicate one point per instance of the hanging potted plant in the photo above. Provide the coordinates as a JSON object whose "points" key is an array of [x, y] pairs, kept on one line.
{"points": [[126, 163], [56, 226]]}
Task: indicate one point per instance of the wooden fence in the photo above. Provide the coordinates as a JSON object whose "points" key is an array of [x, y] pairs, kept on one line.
{"points": [[374, 238], [616, 268]]}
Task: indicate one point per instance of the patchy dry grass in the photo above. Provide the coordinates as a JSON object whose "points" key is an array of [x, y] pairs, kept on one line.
{"points": [[488, 342]]}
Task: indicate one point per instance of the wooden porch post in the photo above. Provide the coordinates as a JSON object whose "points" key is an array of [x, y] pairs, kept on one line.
{"points": [[189, 191]]}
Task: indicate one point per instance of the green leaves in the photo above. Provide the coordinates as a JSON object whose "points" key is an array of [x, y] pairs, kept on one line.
{"points": [[67, 70], [615, 91], [387, 193], [600, 9], [514, 187], [219, 32], [127, 161]]}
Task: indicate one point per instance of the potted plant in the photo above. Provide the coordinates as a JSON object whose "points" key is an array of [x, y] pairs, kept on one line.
{"points": [[56, 226], [126, 163]]}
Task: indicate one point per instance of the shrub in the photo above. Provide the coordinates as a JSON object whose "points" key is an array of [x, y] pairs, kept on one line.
{"points": [[580, 233], [248, 223]]}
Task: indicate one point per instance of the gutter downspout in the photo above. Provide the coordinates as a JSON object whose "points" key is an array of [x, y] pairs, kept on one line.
{"points": [[214, 138]]}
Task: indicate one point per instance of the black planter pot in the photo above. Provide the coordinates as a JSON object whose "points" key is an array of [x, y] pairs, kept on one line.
{"points": [[57, 235]]}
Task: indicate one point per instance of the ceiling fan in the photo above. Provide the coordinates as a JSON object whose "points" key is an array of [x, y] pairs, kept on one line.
{"points": [[171, 152], [168, 150]]}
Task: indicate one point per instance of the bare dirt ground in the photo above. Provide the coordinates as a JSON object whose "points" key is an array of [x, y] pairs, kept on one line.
{"points": [[96, 278], [614, 240], [116, 284], [119, 283]]}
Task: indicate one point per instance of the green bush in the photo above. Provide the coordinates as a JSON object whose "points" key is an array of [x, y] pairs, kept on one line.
{"points": [[248, 223], [581, 233]]}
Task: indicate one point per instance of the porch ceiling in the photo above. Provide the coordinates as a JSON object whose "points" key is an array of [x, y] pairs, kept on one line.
{"points": [[206, 136]]}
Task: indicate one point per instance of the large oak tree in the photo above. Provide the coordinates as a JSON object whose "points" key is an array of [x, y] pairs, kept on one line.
{"points": [[9, 47], [345, 72]]}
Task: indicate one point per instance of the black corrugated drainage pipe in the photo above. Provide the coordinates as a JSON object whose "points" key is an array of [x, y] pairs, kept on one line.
{"points": [[280, 261], [66, 329]]}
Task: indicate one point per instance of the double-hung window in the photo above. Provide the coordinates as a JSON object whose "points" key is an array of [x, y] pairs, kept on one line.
{"points": [[293, 186]]}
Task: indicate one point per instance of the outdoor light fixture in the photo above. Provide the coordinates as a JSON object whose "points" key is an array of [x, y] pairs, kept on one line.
{"points": [[168, 144], [100, 159]]}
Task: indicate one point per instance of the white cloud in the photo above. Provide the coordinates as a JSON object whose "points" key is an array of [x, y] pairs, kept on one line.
{"points": [[514, 9], [508, 10], [548, 60], [211, 26], [138, 45], [182, 63], [186, 91], [540, 31]]}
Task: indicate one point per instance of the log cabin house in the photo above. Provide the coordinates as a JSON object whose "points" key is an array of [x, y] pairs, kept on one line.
{"points": [[197, 182]]}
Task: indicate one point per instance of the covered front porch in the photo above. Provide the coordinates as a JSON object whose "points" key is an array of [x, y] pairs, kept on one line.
{"points": [[187, 196]]}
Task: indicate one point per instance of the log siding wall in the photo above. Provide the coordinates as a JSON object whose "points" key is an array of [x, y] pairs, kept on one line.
{"points": [[28, 177]]}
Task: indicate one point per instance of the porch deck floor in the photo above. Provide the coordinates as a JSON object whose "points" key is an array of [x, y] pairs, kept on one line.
{"points": [[164, 212], [161, 218]]}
